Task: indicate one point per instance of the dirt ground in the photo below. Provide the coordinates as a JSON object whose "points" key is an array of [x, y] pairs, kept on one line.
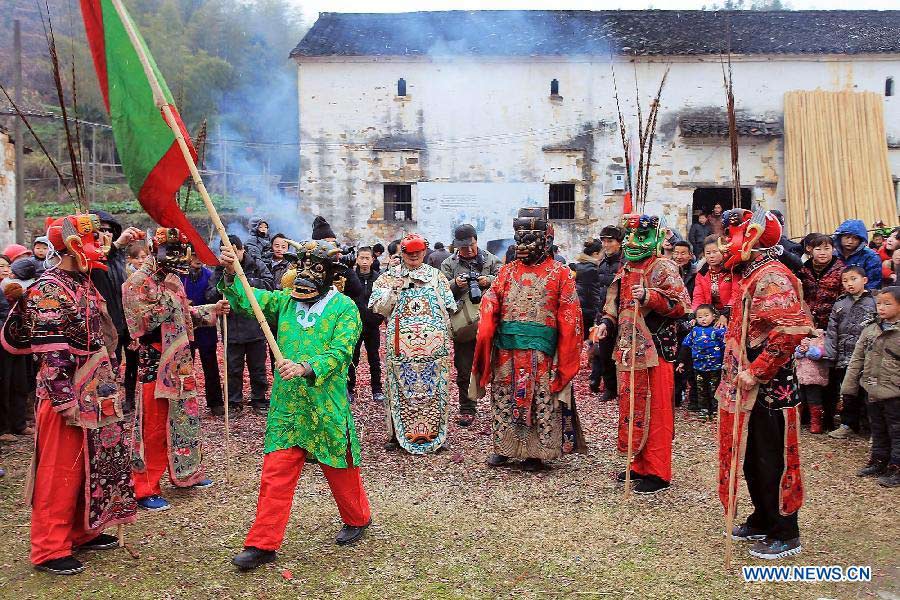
{"points": [[446, 526]]}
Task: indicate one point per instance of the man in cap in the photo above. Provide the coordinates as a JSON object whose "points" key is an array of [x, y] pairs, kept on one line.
{"points": [[469, 269]]}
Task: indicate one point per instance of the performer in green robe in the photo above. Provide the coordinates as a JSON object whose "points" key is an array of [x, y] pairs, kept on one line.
{"points": [[309, 415]]}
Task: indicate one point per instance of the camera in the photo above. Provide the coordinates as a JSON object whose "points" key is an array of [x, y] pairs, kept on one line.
{"points": [[474, 289], [348, 256]]}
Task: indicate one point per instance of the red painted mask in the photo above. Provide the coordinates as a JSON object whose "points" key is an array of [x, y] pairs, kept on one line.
{"points": [[80, 236], [747, 231]]}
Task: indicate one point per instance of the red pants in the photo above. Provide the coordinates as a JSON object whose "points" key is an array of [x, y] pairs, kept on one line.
{"points": [[656, 456], [155, 430], [58, 501], [281, 471]]}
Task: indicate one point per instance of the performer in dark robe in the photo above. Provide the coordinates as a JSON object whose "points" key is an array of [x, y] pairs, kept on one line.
{"points": [[80, 480], [645, 298], [758, 384], [529, 349]]}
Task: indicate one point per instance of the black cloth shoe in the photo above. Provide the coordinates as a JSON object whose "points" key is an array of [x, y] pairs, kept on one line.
{"points": [[497, 460], [650, 485], [260, 411], [392, 445], [234, 409], [104, 541], [745, 533], [217, 411], [67, 565], [465, 419], [891, 477], [350, 534], [634, 477], [873, 469], [608, 396], [252, 558], [594, 387]]}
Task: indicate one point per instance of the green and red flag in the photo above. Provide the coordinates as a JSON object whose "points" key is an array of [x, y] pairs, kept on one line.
{"points": [[151, 158]]}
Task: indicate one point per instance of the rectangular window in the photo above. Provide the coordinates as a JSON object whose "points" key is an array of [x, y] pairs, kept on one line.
{"points": [[397, 202], [562, 201]]}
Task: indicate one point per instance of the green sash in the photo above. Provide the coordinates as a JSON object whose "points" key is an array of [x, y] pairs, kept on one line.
{"points": [[519, 335]]}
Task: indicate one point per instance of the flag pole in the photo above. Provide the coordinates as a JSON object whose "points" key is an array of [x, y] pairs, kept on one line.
{"points": [[160, 100], [630, 452], [223, 320], [731, 509]]}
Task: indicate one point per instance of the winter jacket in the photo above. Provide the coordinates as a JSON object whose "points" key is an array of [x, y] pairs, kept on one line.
{"points": [[812, 366], [370, 319], [256, 244], [242, 329], [821, 289], [697, 237], [109, 282], [863, 256], [703, 292], [28, 268], [875, 364], [707, 345], [278, 269], [790, 256], [436, 258], [195, 286], [353, 287], [591, 294], [689, 277], [606, 272], [848, 318], [485, 264]]}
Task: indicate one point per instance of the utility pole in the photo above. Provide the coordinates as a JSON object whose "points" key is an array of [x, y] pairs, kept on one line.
{"points": [[18, 135]]}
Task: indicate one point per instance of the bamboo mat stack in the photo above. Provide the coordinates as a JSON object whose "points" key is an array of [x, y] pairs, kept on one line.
{"points": [[836, 162]]}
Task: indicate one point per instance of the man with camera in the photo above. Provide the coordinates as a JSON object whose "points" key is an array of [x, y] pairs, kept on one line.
{"points": [[470, 271]]}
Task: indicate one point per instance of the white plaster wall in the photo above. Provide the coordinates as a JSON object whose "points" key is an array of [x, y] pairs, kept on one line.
{"points": [[7, 191], [488, 120]]}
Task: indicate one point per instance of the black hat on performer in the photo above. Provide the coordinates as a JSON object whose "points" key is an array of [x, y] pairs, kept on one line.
{"points": [[321, 229]]}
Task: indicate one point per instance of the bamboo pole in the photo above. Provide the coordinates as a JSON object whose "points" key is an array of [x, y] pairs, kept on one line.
{"points": [[629, 452], [165, 107], [735, 446], [224, 321]]}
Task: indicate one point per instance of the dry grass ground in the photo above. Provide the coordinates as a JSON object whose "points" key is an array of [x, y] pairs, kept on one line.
{"points": [[448, 527]]}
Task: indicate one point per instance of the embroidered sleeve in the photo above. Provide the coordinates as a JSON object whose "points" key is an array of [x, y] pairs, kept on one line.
{"points": [[570, 331], [488, 321], [444, 292], [339, 351], [384, 294], [203, 315], [54, 379], [666, 295], [776, 308]]}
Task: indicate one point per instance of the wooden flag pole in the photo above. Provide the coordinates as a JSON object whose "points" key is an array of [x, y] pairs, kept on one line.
{"points": [[225, 392], [735, 446], [630, 452], [161, 102]]}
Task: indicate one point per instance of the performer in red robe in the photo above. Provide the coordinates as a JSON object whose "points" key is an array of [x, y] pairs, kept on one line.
{"points": [[645, 298], [80, 481], [758, 384], [529, 348], [167, 416]]}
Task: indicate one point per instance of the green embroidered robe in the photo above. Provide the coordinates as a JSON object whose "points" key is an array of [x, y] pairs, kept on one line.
{"points": [[312, 413]]}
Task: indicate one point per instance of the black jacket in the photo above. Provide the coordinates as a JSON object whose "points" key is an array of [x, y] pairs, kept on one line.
{"points": [[792, 255], [278, 270], [242, 329], [697, 237], [259, 246], [109, 282], [370, 319], [606, 272], [353, 288], [591, 294]]}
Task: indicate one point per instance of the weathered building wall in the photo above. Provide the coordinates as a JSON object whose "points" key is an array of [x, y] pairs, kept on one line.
{"points": [[7, 190], [495, 121]]}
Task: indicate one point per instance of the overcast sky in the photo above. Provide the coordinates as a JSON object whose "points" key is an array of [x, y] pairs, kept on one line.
{"points": [[311, 8]]}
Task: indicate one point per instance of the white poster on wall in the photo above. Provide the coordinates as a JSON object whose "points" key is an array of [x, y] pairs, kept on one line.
{"points": [[490, 207]]}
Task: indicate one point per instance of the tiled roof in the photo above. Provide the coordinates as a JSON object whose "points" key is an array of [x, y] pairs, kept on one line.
{"points": [[714, 126], [626, 32]]}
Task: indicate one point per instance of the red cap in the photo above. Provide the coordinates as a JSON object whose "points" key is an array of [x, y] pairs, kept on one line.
{"points": [[14, 251], [413, 243]]}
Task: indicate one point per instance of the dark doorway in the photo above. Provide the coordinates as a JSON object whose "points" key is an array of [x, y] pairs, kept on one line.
{"points": [[706, 198]]}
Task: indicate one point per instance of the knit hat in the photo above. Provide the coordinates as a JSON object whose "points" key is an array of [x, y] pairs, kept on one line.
{"points": [[42, 239], [14, 251], [611, 231], [321, 229]]}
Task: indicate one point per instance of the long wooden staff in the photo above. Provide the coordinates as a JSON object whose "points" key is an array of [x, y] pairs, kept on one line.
{"points": [[630, 452], [161, 102], [224, 323], [735, 446]]}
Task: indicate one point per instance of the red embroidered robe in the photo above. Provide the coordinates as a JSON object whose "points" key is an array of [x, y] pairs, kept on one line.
{"points": [[768, 298], [529, 349], [667, 299]]}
